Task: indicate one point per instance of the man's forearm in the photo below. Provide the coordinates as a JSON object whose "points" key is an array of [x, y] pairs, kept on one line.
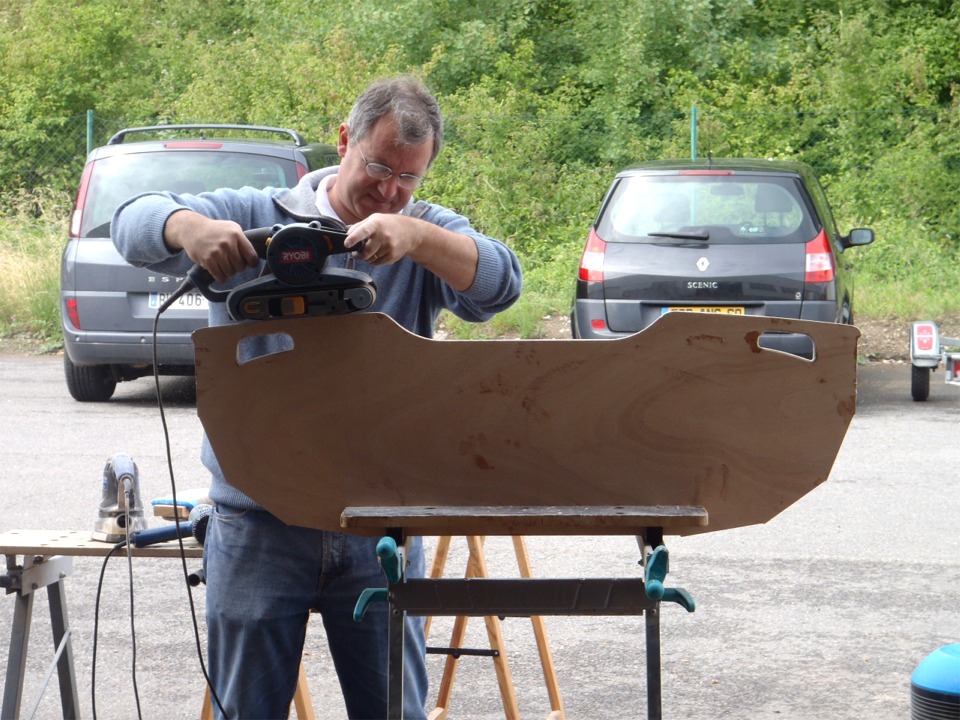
{"points": [[451, 256]]}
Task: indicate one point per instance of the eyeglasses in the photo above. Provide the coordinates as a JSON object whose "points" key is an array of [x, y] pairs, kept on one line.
{"points": [[407, 181]]}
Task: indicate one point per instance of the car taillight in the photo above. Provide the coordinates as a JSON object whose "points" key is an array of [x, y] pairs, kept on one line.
{"points": [[591, 262], [301, 170], [73, 313], [76, 217], [820, 267]]}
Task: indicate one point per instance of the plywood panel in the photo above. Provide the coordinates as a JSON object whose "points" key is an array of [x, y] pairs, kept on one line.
{"points": [[690, 412]]}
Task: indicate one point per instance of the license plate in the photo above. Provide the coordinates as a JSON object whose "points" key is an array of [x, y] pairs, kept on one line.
{"points": [[187, 301], [716, 309]]}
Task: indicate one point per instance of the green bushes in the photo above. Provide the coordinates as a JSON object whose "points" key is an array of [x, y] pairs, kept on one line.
{"points": [[544, 101], [33, 232]]}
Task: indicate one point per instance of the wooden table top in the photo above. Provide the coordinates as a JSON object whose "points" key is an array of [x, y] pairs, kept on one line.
{"points": [[79, 542]]}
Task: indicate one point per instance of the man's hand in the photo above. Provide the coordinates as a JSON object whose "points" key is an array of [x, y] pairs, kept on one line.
{"points": [[218, 246], [385, 238]]}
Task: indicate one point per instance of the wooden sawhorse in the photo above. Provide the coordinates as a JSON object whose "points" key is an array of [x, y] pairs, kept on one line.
{"points": [[483, 597], [477, 568]]}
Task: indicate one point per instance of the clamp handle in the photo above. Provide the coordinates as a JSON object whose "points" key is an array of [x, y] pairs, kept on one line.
{"points": [[655, 572], [390, 559], [367, 597], [388, 556]]}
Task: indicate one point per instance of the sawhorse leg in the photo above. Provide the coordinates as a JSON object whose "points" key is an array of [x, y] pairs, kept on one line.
{"points": [[477, 568], [392, 557], [391, 553], [540, 633], [35, 573], [652, 636]]}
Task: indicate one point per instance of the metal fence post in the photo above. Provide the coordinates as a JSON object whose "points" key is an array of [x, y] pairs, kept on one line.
{"points": [[89, 131], [693, 133]]}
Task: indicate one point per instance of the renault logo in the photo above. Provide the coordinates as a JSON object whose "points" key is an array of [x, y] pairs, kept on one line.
{"points": [[703, 264]]}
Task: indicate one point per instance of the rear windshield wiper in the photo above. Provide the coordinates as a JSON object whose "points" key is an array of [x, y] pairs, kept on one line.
{"points": [[100, 231], [698, 235]]}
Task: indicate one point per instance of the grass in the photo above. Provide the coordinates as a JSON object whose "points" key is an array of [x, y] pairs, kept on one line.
{"points": [[918, 298], [906, 279], [907, 274], [33, 232], [523, 320]]}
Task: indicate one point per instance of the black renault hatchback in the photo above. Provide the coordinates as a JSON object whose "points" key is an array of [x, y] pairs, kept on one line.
{"points": [[745, 237]]}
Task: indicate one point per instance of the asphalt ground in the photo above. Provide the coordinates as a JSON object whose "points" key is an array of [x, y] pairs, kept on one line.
{"points": [[823, 612]]}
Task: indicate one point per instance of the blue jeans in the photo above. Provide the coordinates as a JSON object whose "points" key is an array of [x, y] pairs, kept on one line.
{"points": [[263, 579]]}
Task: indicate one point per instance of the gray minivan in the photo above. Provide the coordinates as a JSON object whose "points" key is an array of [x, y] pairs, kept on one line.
{"points": [[107, 306]]}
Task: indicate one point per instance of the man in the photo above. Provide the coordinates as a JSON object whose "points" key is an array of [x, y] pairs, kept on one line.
{"points": [[264, 577]]}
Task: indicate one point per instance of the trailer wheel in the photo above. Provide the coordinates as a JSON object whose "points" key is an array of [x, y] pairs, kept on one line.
{"points": [[919, 383]]}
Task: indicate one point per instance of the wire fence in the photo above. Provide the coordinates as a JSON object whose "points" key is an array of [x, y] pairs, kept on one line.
{"points": [[50, 152]]}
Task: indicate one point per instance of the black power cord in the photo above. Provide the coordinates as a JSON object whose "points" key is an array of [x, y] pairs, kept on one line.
{"points": [[129, 491], [185, 286], [96, 626]]}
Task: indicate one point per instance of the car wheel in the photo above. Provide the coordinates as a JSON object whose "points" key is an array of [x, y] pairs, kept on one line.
{"points": [[89, 383], [919, 383]]}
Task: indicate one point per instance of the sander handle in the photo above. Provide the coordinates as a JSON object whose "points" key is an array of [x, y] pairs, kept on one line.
{"points": [[312, 244], [202, 280]]}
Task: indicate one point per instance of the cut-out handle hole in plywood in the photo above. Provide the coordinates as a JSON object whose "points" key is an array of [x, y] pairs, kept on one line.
{"points": [[258, 347], [799, 345]]}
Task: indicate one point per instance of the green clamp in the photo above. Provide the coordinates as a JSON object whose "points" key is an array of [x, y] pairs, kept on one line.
{"points": [[368, 596], [388, 555], [655, 572]]}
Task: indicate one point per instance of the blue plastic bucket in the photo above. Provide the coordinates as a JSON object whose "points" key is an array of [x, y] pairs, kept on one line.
{"points": [[935, 686]]}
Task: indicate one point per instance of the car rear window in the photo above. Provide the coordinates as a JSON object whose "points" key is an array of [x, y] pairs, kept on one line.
{"points": [[714, 208], [116, 178]]}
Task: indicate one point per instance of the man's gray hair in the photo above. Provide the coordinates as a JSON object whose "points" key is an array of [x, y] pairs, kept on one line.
{"points": [[413, 107]]}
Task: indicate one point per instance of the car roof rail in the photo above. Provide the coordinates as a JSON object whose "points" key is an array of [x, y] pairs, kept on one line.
{"points": [[119, 137]]}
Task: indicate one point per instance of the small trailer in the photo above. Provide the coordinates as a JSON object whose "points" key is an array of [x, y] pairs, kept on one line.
{"points": [[928, 348]]}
